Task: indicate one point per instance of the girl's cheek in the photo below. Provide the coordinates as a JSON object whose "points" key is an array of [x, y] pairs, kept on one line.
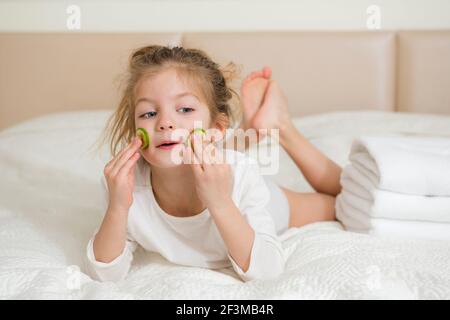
{"points": [[148, 157]]}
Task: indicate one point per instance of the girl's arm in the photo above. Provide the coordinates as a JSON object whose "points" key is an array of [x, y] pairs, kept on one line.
{"points": [[254, 250], [110, 252], [110, 240], [235, 231], [253, 247], [110, 249], [321, 172]]}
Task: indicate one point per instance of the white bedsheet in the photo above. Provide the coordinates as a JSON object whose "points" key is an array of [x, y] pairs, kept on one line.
{"points": [[50, 200]]}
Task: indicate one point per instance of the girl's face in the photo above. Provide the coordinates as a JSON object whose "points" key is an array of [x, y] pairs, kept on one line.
{"points": [[164, 105]]}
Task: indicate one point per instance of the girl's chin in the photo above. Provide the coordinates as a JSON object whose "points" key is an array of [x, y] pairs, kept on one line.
{"points": [[165, 162]]}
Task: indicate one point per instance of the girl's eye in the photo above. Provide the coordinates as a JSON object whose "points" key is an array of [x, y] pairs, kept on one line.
{"points": [[186, 108], [151, 113]]}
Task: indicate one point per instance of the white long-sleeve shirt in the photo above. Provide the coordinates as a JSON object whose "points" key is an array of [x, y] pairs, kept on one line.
{"points": [[195, 240]]}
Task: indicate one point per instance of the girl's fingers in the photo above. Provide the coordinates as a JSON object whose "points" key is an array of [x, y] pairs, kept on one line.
{"points": [[111, 163], [212, 155], [209, 153], [205, 155], [218, 155], [191, 158], [128, 153], [117, 157], [205, 152], [125, 154], [197, 169], [129, 165], [196, 145], [188, 154]]}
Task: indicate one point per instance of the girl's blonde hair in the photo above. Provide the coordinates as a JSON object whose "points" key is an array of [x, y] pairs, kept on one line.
{"points": [[197, 68]]}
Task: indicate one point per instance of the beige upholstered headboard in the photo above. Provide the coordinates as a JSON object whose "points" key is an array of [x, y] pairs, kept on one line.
{"points": [[406, 71]]}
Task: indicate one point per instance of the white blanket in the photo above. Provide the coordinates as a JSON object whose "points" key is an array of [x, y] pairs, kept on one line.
{"points": [[49, 207], [419, 166]]}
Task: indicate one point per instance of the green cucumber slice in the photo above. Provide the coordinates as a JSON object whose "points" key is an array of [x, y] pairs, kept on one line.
{"points": [[145, 138], [199, 130], [195, 130]]}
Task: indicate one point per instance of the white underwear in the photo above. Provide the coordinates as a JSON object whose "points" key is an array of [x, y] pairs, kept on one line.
{"points": [[278, 206]]}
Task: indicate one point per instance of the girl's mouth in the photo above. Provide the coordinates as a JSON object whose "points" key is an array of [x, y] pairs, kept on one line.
{"points": [[167, 146]]}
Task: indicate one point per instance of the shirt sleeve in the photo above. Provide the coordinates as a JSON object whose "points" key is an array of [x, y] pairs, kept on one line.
{"points": [[118, 268], [112, 271], [267, 260]]}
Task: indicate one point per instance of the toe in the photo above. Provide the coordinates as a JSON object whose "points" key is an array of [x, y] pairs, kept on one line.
{"points": [[252, 75], [255, 74], [267, 72], [245, 82], [247, 78]]}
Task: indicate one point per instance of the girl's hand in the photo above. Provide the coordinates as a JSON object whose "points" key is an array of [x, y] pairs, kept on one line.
{"points": [[213, 179], [119, 174]]}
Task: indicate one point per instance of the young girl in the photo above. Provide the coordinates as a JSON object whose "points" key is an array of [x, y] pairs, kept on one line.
{"points": [[203, 214]]}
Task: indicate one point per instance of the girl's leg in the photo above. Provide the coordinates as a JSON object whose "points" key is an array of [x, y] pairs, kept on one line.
{"points": [[321, 172], [309, 207]]}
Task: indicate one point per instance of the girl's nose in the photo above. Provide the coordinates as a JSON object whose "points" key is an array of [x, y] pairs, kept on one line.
{"points": [[163, 127], [165, 122]]}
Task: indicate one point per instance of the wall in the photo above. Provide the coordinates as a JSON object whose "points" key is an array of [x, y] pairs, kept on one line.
{"points": [[222, 15]]}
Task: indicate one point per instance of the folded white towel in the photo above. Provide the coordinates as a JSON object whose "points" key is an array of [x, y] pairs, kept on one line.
{"points": [[392, 228], [408, 165], [397, 186], [377, 203]]}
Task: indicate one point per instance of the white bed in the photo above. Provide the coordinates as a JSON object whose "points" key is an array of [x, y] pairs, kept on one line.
{"points": [[49, 206]]}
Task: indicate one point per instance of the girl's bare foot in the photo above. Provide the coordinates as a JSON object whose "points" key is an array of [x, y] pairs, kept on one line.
{"points": [[273, 113], [253, 90]]}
